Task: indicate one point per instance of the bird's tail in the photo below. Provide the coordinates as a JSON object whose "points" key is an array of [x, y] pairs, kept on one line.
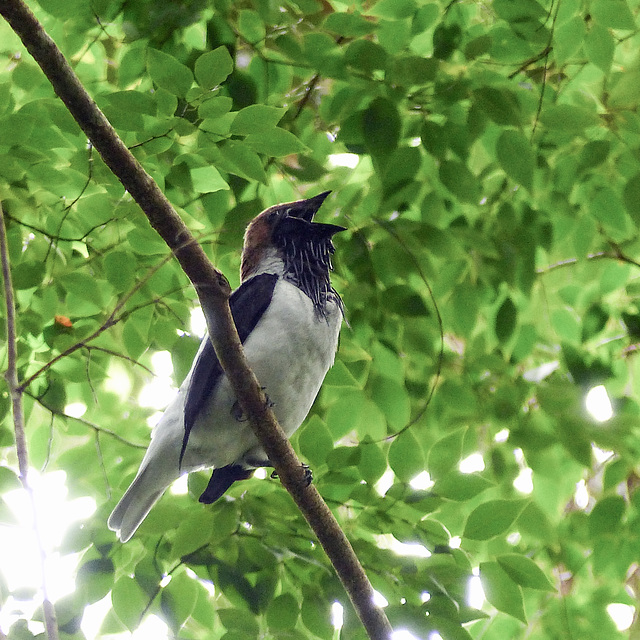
{"points": [[136, 503]]}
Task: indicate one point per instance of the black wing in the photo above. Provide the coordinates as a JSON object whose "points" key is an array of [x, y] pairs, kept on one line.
{"points": [[248, 302]]}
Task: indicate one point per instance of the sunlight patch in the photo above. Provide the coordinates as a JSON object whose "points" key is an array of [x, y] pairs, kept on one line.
{"points": [[422, 481], [349, 160], [621, 614], [472, 463], [337, 615], [598, 403]]}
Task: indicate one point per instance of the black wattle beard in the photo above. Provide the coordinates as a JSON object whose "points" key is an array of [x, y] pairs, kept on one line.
{"points": [[307, 263]]}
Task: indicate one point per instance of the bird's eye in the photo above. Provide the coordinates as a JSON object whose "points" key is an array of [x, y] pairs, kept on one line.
{"points": [[272, 217]]}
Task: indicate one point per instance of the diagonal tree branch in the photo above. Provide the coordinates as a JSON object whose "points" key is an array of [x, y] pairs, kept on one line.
{"points": [[213, 291]]}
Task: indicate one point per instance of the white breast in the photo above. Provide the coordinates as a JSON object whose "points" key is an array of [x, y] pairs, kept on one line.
{"points": [[290, 351]]}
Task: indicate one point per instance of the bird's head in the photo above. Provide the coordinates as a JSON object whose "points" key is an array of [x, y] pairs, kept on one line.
{"points": [[285, 233]]}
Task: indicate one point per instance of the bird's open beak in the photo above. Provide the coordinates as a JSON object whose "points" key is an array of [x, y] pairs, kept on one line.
{"points": [[299, 220], [306, 209]]}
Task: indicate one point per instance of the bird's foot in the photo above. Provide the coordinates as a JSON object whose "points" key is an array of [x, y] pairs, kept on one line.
{"points": [[269, 402], [239, 415], [308, 475]]}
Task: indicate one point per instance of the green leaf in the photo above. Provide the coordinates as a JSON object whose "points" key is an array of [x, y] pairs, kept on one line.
{"points": [[406, 457], [381, 127], [594, 321], [434, 138], [593, 154], [404, 301], [207, 179], [238, 620], [213, 68], [251, 26], [524, 571], [568, 38], [145, 241], [95, 579], [465, 307], [392, 397], [460, 181], [625, 93], [349, 24], [445, 454], [461, 486], [614, 14], [282, 613], [256, 118], [121, 268], [129, 601], [243, 162], [133, 102], [316, 615], [569, 118], [506, 320], [607, 208], [607, 516], [315, 441], [631, 196], [373, 462], [215, 107], [409, 71], [516, 157], [275, 142], [8, 480], [501, 105], [340, 376], [446, 40], [86, 295], [599, 46], [28, 274], [178, 599], [16, 128], [168, 73], [394, 9], [566, 324], [500, 591], [64, 10], [492, 518], [365, 55], [194, 532]]}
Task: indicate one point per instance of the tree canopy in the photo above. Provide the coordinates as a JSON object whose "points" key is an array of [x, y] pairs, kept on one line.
{"points": [[485, 159]]}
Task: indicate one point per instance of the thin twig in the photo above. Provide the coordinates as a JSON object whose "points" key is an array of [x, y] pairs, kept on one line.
{"points": [[112, 320], [394, 234], [11, 376], [96, 427], [57, 238], [115, 354], [616, 254]]}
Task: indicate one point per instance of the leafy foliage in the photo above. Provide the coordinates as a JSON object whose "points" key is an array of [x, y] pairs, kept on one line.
{"points": [[489, 276]]}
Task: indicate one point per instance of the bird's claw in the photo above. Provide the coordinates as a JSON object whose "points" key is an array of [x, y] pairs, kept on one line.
{"points": [[268, 400], [239, 415], [308, 475]]}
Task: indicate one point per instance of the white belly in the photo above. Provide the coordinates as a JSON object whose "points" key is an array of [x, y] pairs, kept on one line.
{"points": [[290, 351]]}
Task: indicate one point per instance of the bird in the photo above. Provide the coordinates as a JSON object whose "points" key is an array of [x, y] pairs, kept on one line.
{"points": [[288, 317]]}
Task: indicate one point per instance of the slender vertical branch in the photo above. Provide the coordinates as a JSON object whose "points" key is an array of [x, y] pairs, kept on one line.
{"points": [[15, 393]]}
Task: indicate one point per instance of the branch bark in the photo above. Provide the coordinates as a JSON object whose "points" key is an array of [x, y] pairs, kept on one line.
{"points": [[213, 291], [15, 394]]}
